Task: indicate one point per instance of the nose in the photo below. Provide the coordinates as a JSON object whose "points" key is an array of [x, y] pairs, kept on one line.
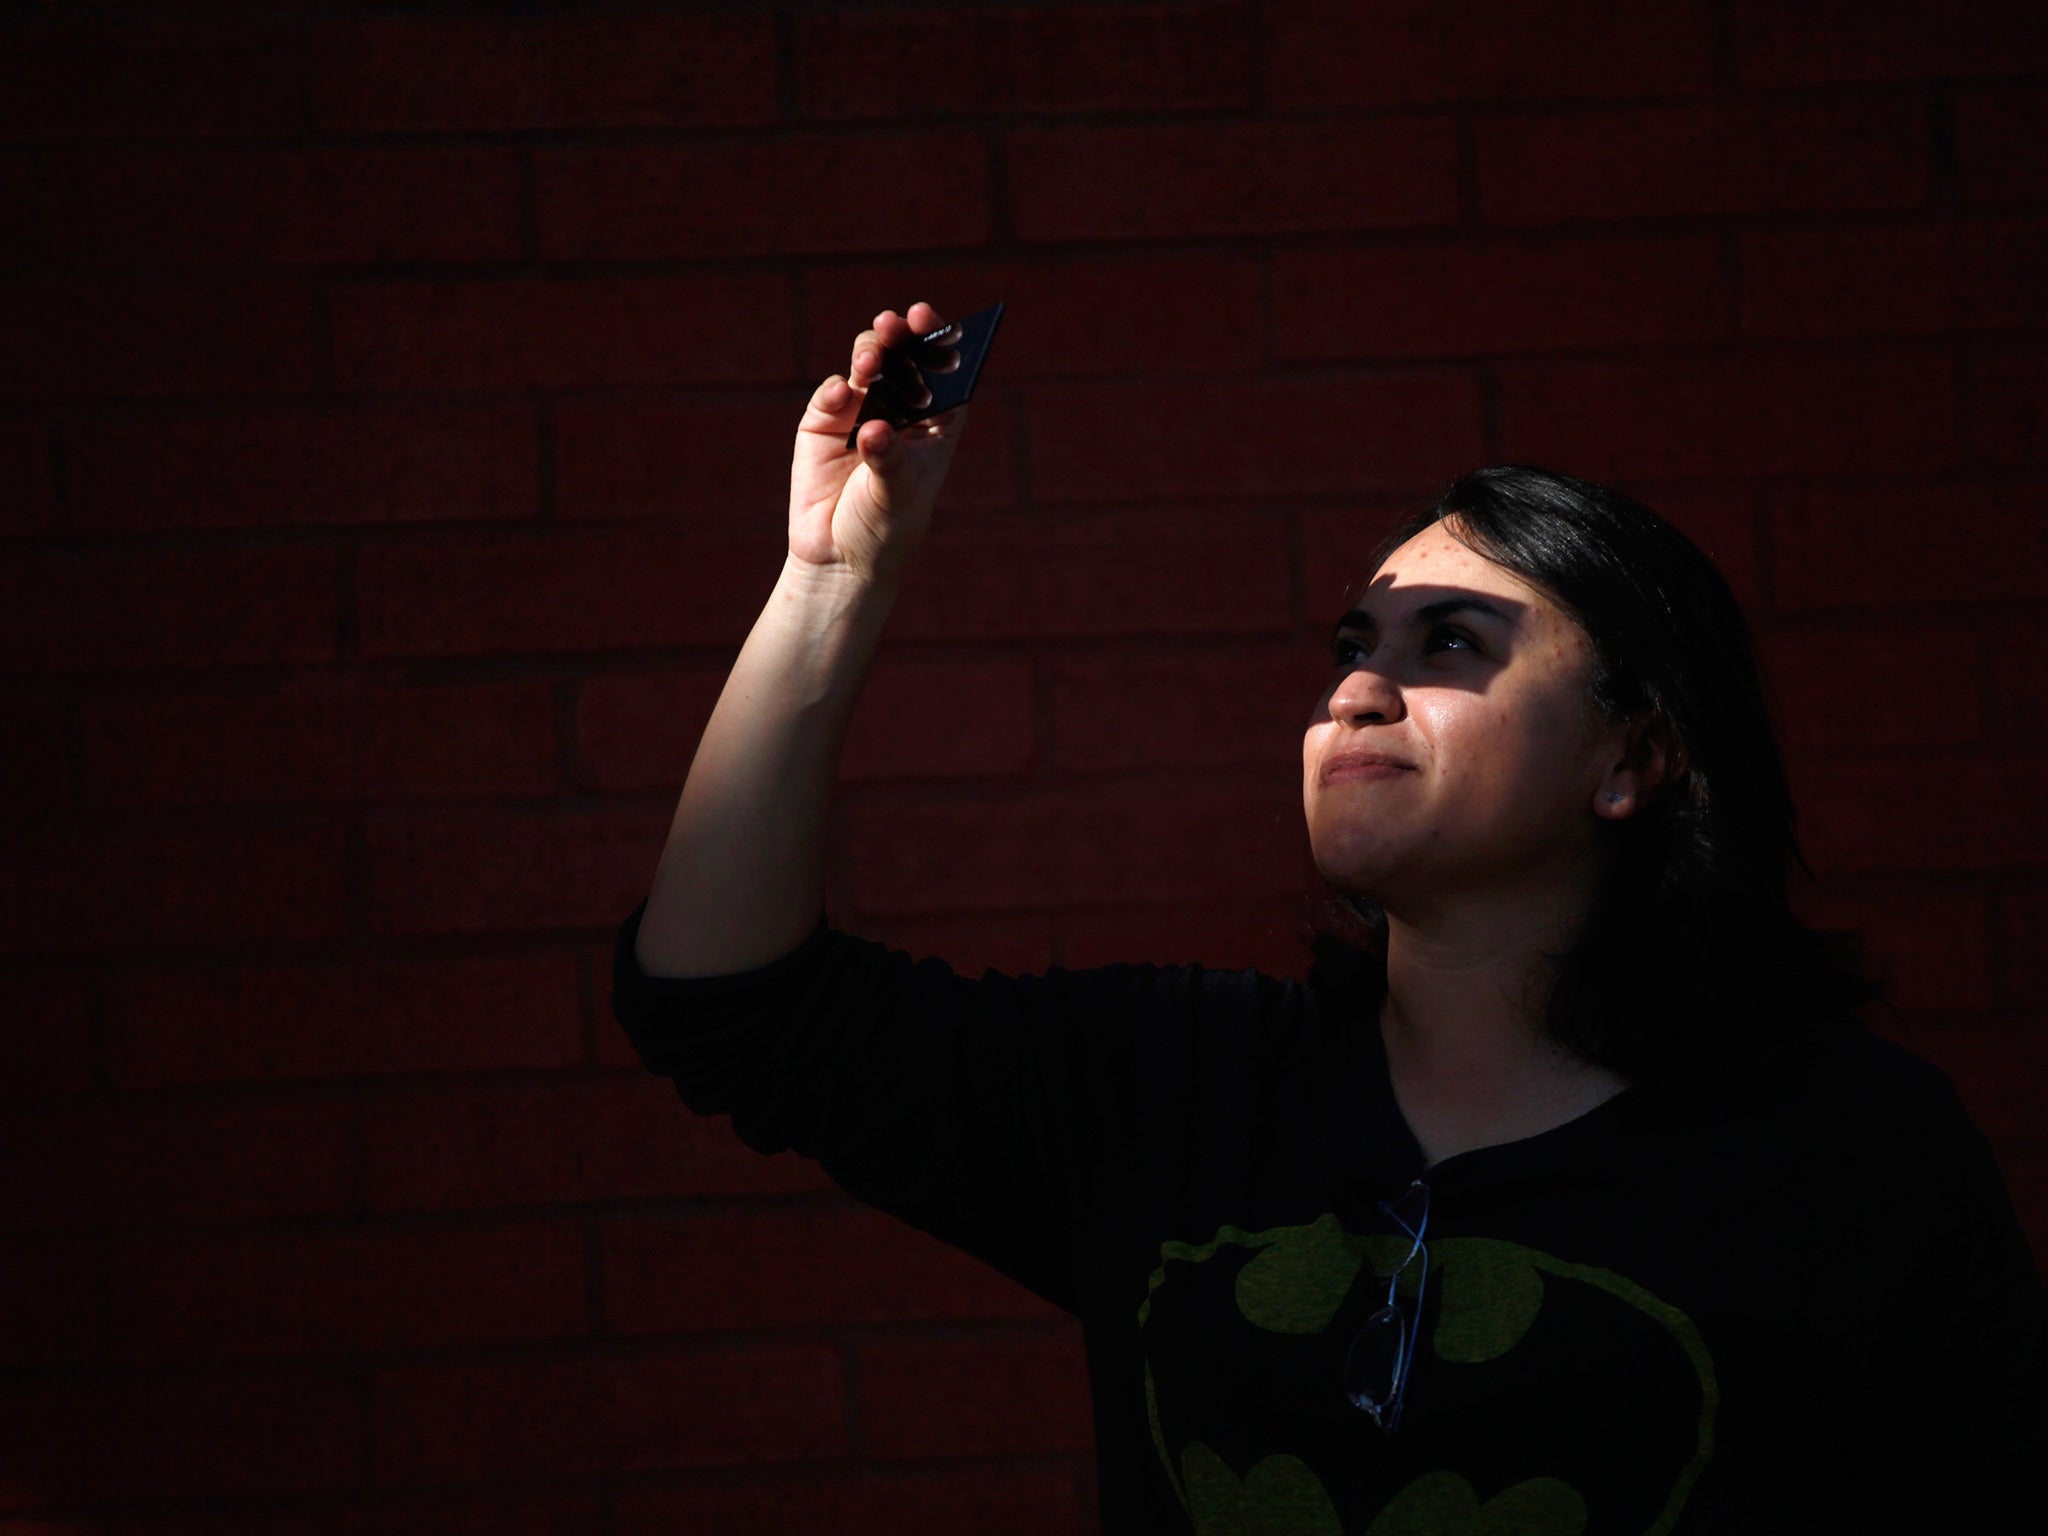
{"points": [[1365, 696]]}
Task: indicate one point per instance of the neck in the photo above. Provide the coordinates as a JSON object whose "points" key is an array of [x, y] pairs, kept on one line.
{"points": [[1467, 985]]}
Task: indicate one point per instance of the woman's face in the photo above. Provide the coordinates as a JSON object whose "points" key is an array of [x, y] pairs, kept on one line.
{"points": [[1472, 685]]}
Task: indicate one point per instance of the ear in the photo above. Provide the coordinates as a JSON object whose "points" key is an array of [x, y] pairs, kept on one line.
{"points": [[1650, 757]]}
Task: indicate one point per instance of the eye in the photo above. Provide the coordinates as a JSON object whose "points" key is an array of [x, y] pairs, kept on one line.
{"points": [[1341, 650], [1446, 633]]}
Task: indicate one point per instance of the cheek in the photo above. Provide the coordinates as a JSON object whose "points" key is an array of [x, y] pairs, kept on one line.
{"points": [[1505, 745]]}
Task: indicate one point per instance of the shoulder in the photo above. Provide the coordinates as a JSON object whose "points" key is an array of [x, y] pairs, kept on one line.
{"points": [[1856, 1093], [1848, 1059]]}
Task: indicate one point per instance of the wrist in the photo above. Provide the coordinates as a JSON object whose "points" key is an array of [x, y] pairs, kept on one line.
{"points": [[835, 584]]}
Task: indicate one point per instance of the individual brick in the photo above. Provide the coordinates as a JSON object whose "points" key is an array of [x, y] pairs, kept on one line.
{"points": [[121, 883], [1995, 1063], [217, 206], [641, 732], [50, 1300], [1256, 703], [1259, 437], [714, 465], [2005, 405], [561, 333], [132, 338], [26, 507], [1822, 41], [1139, 571], [184, 1437], [172, 76], [1929, 939], [50, 1048], [1919, 813], [1838, 687], [794, 1266], [495, 71], [1753, 414], [768, 197], [1997, 274], [200, 1297], [323, 736], [1330, 53], [2002, 143], [507, 869], [303, 468], [1164, 181], [1875, 281], [423, 1512], [993, 1395], [36, 770], [1184, 840], [1912, 545], [365, 1018], [557, 1417], [925, 717], [1494, 296], [95, 608], [562, 592], [126, 1163], [21, 210], [988, 1500], [1697, 161], [1036, 59], [2019, 678], [488, 1145], [2023, 941]]}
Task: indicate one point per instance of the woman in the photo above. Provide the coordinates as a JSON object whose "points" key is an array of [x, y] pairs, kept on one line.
{"points": [[1569, 1196]]}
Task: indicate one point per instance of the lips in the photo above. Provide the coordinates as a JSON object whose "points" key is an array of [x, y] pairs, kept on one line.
{"points": [[1361, 763]]}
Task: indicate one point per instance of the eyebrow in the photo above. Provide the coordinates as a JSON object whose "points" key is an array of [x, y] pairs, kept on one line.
{"points": [[1428, 613]]}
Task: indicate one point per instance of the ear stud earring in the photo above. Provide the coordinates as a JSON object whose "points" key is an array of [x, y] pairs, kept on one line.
{"points": [[1614, 795]]}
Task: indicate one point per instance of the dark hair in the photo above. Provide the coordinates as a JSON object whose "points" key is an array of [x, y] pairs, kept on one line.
{"points": [[1693, 972]]}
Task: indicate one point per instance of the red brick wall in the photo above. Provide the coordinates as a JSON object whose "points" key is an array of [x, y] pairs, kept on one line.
{"points": [[395, 405]]}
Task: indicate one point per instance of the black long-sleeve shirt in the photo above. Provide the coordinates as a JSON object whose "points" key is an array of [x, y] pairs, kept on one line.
{"points": [[1811, 1308]]}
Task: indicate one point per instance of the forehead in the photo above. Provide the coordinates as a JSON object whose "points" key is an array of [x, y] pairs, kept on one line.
{"points": [[1435, 558]]}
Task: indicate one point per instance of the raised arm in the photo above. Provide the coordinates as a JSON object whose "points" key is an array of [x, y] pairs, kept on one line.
{"points": [[742, 878]]}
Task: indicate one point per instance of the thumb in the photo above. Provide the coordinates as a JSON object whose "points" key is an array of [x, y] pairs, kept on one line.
{"points": [[878, 443]]}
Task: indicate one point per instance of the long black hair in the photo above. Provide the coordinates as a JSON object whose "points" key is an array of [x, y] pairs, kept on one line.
{"points": [[1693, 973]]}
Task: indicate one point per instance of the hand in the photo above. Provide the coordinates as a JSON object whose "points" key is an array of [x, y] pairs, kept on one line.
{"points": [[866, 508]]}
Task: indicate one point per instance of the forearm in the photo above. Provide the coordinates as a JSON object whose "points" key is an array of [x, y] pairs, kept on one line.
{"points": [[742, 878]]}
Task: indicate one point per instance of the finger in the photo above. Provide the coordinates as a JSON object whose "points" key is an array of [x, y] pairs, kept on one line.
{"points": [[905, 334], [876, 440], [866, 366], [833, 404], [933, 428], [938, 342], [892, 329]]}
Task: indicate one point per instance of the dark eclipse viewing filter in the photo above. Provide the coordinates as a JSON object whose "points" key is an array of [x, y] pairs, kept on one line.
{"points": [[905, 376]]}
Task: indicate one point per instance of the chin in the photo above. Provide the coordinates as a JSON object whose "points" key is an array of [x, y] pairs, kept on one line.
{"points": [[1354, 877], [1348, 855]]}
